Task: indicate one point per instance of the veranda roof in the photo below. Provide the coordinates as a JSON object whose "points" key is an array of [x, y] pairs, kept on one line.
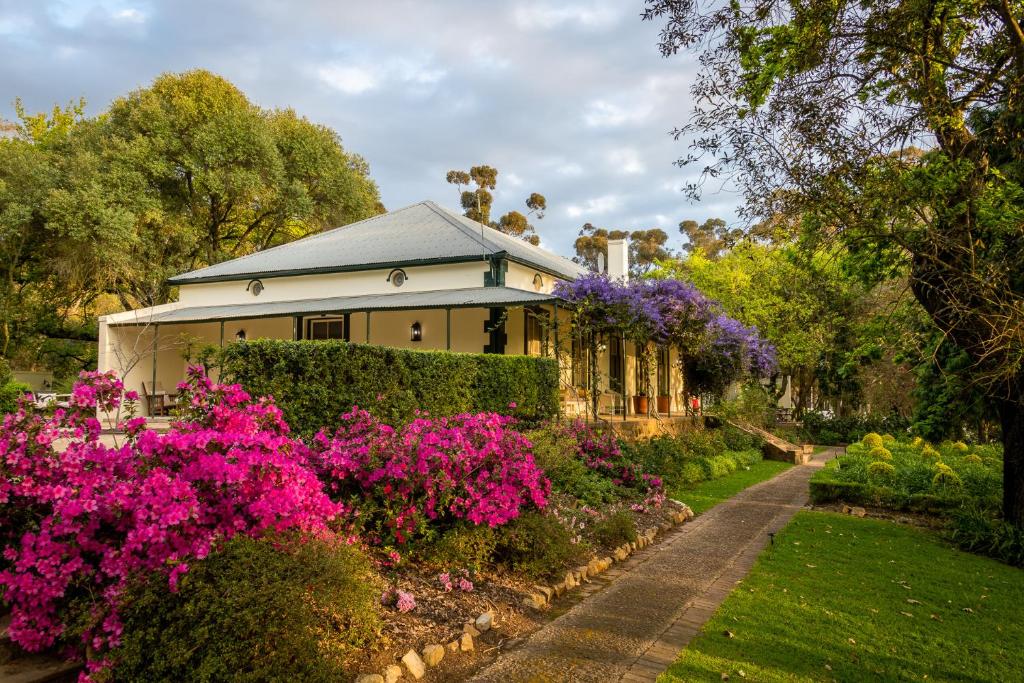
{"points": [[475, 297], [421, 234]]}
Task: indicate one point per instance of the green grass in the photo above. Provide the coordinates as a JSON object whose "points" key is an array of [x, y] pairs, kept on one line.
{"points": [[707, 494], [839, 598]]}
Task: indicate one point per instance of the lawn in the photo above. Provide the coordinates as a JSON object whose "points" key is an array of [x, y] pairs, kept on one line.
{"points": [[707, 494], [848, 599]]}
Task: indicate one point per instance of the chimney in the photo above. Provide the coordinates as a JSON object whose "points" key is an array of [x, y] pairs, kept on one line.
{"points": [[618, 260]]}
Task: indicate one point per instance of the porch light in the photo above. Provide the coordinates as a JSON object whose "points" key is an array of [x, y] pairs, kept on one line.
{"points": [[416, 332], [240, 335]]}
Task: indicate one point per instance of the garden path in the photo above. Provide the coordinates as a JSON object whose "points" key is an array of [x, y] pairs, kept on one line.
{"points": [[633, 627]]}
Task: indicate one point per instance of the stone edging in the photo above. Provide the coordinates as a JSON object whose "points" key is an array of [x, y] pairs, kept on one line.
{"points": [[414, 664]]}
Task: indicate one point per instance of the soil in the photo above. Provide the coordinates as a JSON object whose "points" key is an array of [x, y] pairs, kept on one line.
{"points": [[439, 616]]}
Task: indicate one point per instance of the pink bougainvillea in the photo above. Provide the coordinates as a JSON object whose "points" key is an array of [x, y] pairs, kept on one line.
{"points": [[81, 520], [471, 467]]}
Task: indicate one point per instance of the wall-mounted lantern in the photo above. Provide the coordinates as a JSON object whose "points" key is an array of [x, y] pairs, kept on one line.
{"points": [[240, 335], [416, 332]]}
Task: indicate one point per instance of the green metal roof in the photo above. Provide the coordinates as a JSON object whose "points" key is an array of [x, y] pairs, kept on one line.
{"points": [[420, 234], [475, 297]]}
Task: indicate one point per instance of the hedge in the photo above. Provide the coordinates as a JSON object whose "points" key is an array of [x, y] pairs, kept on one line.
{"points": [[854, 493], [316, 381]]}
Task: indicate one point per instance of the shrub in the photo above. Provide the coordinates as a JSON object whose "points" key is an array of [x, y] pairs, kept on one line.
{"points": [[537, 545], [254, 611], [437, 470], [10, 392], [872, 440], [945, 476], [463, 545], [738, 440], [555, 450], [929, 453], [880, 453], [978, 531], [973, 458], [314, 382], [961, 446], [888, 439], [615, 529], [691, 473], [81, 522], [881, 471], [821, 429]]}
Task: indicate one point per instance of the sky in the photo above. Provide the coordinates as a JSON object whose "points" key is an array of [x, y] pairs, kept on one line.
{"points": [[570, 99]]}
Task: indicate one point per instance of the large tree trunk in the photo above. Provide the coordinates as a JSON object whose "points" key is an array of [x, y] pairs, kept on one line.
{"points": [[1011, 417]]}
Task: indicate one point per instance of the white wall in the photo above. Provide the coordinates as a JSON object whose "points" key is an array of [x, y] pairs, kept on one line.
{"points": [[292, 288]]}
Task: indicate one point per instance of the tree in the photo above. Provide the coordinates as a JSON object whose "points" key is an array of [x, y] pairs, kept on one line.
{"points": [[476, 204], [814, 108], [96, 213], [646, 247], [713, 236]]}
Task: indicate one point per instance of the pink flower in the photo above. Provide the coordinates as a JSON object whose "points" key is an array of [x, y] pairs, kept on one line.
{"points": [[405, 602], [465, 585], [446, 581]]}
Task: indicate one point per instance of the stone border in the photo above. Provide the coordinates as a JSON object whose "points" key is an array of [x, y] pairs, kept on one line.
{"points": [[543, 595], [415, 663]]}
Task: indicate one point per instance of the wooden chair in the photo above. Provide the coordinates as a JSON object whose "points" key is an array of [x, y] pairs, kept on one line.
{"points": [[574, 402], [610, 402], [158, 401]]}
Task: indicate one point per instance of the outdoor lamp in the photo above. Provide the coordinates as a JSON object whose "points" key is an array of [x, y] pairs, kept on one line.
{"points": [[240, 335], [416, 332]]}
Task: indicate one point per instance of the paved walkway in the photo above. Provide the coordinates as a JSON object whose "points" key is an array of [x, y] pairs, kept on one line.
{"points": [[633, 627]]}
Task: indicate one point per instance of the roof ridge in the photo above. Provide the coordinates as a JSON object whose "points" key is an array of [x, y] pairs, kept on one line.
{"points": [[460, 226]]}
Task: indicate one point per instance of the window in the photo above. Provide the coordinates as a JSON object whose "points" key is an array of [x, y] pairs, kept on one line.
{"points": [[616, 365], [536, 333], [327, 328]]}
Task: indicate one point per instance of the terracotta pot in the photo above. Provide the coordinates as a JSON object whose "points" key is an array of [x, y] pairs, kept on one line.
{"points": [[640, 405], [664, 404]]}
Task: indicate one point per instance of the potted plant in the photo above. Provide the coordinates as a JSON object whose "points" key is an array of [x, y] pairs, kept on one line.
{"points": [[640, 403], [664, 405]]}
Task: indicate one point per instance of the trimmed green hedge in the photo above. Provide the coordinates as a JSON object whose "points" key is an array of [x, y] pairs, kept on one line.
{"points": [[316, 381]]}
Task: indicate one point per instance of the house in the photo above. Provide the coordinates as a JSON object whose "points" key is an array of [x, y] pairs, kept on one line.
{"points": [[421, 277]]}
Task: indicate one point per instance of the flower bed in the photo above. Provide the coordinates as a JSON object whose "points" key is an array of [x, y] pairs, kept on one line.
{"points": [[455, 515], [917, 476]]}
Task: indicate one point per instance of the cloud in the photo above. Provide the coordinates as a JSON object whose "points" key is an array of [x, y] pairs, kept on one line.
{"points": [[626, 161], [351, 80], [569, 99], [593, 207], [550, 15], [356, 79], [602, 113]]}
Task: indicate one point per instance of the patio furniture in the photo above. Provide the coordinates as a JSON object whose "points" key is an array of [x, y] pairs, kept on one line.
{"points": [[158, 401], [574, 402], [610, 403]]}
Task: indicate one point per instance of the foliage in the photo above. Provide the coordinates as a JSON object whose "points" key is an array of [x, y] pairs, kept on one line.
{"points": [[716, 349], [884, 78], [979, 531], [885, 601], [752, 405], [477, 203], [646, 247], [82, 520], [256, 610], [615, 529], [10, 392], [463, 545], [712, 239], [691, 457], [913, 476], [432, 471], [831, 430], [97, 212], [556, 452], [314, 382], [538, 545]]}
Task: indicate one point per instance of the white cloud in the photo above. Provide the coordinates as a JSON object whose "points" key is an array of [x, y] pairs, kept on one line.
{"points": [[351, 80], [547, 15], [130, 15], [513, 180], [569, 169], [605, 114], [356, 78], [626, 161], [593, 207]]}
